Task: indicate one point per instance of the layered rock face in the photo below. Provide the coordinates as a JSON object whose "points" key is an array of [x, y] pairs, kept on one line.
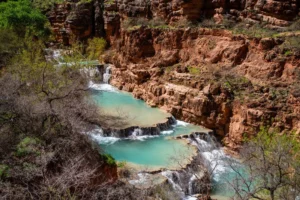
{"points": [[277, 13], [228, 83], [74, 20], [79, 20], [232, 84]]}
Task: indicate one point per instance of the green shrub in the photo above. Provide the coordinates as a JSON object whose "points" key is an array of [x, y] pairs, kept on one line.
{"points": [[85, 1], [3, 171], [45, 5], [294, 26], [27, 146], [109, 159], [208, 23], [122, 164], [108, 2], [23, 18], [96, 47], [158, 23], [194, 70], [291, 43], [131, 24], [288, 53], [256, 30]]}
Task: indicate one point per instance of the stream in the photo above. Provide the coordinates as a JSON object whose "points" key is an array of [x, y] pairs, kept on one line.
{"points": [[167, 151], [158, 151]]}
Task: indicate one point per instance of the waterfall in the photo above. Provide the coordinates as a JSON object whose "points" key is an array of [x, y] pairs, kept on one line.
{"points": [[170, 176], [98, 136], [107, 75], [214, 159], [191, 181], [137, 132]]}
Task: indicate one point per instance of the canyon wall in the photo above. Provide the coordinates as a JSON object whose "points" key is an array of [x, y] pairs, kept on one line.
{"points": [[232, 84], [211, 77], [76, 20], [273, 13]]}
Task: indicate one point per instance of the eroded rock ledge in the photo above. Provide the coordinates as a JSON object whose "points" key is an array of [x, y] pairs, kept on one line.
{"points": [[127, 132], [232, 84]]}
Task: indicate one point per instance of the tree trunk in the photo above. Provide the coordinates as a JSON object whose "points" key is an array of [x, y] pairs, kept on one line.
{"points": [[272, 194]]}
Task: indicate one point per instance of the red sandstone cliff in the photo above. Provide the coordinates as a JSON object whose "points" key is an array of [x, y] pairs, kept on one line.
{"points": [[230, 83], [211, 77]]}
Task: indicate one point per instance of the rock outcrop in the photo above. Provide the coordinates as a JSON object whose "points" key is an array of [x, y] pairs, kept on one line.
{"points": [[80, 20], [140, 131], [272, 12], [210, 77], [76, 20], [230, 83]]}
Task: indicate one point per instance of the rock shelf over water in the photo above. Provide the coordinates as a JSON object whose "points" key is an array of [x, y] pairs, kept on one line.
{"points": [[140, 131]]}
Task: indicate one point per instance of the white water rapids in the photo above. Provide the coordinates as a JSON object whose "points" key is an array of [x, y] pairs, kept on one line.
{"points": [[207, 147]]}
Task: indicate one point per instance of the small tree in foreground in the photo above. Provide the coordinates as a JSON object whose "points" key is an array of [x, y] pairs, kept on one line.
{"points": [[271, 168]]}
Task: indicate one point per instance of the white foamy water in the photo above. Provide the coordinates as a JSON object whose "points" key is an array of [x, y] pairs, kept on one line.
{"points": [[97, 135], [168, 174], [107, 75], [168, 132], [192, 179], [141, 138], [142, 179], [102, 87], [90, 72], [181, 123], [104, 140], [190, 198], [215, 159]]}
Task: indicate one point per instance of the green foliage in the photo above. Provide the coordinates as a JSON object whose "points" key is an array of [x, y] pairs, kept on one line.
{"points": [[291, 43], [96, 47], [131, 24], [169, 69], [85, 1], [109, 159], [122, 164], [22, 17], [270, 140], [288, 53], [27, 146], [273, 162], [3, 171], [256, 30], [194, 70], [108, 2], [45, 5], [10, 44], [295, 26]]}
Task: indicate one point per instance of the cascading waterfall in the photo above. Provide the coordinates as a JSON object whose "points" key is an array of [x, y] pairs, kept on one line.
{"points": [[137, 132], [186, 182], [191, 181], [107, 75], [212, 157], [170, 176]]}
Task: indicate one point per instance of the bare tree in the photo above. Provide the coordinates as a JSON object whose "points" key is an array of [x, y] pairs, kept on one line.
{"points": [[269, 168]]}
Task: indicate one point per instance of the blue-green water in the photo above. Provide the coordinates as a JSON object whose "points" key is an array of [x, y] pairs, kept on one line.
{"points": [[154, 151], [142, 150], [124, 105], [150, 151]]}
